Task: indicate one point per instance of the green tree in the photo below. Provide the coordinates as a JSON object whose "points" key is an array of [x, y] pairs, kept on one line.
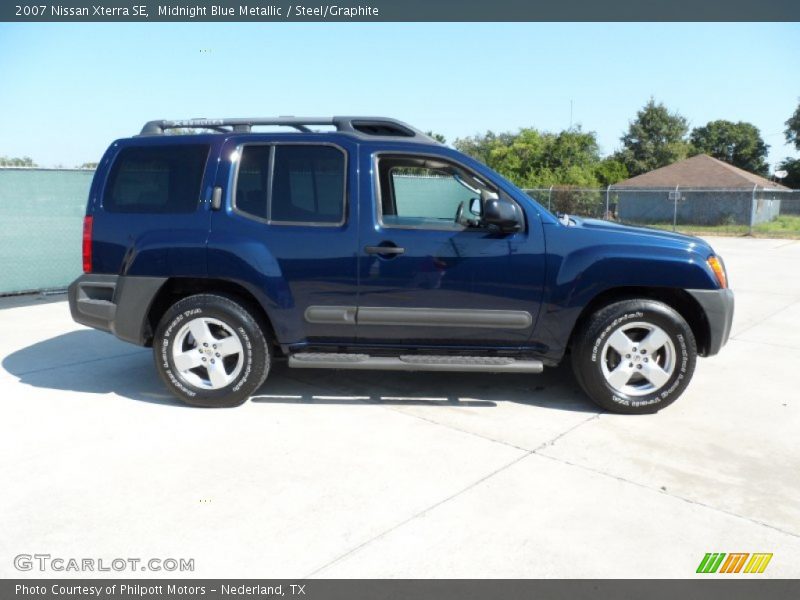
{"points": [[654, 139], [87, 165], [739, 144], [610, 170], [436, 136], [480, 146], [792, 167], [25, 161], [532, 158], [792, 131]]}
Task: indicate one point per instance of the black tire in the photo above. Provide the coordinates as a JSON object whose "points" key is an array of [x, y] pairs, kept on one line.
{"points": [[594, 358], [226, 316]]}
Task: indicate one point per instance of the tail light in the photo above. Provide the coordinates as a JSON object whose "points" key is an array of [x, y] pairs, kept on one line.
{"points": [[87, 244]]}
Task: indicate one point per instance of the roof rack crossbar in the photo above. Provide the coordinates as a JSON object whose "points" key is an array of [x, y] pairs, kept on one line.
{"points": [[359, 126]]}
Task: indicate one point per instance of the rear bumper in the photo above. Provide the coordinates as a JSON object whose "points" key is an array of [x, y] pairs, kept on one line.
{"points": [[718, 308], [115, 303]]}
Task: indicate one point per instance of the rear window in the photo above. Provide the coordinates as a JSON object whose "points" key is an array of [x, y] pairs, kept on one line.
{"points": [[156, 179]]}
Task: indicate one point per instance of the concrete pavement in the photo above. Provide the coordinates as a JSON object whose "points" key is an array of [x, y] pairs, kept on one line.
{"points": [[369, 474]]}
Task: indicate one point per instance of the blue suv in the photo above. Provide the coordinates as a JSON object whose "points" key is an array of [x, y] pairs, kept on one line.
{"points": [[361, 243]]}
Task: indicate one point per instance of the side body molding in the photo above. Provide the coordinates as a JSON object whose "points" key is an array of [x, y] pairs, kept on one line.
{"points": [[422, 317]]}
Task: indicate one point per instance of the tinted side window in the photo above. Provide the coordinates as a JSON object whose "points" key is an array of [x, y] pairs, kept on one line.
{"points": [[428, 193], [252, 181], [156, 179], [308, 184]]}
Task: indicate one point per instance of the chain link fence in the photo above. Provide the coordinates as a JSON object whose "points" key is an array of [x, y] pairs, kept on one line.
{"points": [[706, 211]]}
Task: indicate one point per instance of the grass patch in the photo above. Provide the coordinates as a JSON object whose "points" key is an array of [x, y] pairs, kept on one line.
{"points": [[789, 224], [784, 226]]}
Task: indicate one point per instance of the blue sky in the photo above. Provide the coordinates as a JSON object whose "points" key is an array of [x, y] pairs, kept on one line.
{"points": [[67, 90]]}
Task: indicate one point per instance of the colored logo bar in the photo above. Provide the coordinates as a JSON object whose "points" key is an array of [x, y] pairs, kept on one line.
{"points": [[720, 562]]}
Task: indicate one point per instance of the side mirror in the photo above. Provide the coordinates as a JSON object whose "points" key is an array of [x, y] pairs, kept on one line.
{"points": [[502, 214], [475, 207]]}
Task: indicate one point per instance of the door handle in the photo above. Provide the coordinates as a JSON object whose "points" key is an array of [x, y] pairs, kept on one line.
{"points": [[384, 250]]}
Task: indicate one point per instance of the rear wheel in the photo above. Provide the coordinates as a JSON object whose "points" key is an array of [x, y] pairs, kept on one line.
{"points": [[210, 351], [634, 356]]}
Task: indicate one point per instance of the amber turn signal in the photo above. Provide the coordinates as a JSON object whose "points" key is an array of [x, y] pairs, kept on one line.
{"points": [[719, 270]]}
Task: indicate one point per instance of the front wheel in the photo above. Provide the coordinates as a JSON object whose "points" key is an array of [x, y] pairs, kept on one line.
{"points": [[210, 351], [634, 356]]}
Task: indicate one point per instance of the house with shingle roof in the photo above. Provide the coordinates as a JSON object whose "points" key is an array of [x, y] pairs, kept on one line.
{"points": [[700, 190], [701, 171]]}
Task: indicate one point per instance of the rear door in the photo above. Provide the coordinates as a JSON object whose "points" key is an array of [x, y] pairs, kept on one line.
{"points": [[289, 233]]}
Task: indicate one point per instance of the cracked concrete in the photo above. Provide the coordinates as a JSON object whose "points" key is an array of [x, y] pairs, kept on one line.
{"points": [[358, 474]]}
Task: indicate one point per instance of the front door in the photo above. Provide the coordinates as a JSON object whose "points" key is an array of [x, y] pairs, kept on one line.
{"points": [[431, 277]]}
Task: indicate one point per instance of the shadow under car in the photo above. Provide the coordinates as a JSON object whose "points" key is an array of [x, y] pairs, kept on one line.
{"points": [[93, 362]]}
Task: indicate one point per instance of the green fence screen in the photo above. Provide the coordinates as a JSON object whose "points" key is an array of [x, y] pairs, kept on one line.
{"points": [[42, 215]]}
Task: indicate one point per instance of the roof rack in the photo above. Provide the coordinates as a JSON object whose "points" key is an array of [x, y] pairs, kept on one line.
{"points": [[363, 127]]}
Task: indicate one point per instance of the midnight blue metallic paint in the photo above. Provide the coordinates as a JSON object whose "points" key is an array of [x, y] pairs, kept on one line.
{"points": [[162, 245], [289, 267], [549, 269], [469, 269], [592, 257]]}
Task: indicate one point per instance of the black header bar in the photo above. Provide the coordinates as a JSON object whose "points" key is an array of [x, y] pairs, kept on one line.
{"points": [[399, 10], [710, 588]]}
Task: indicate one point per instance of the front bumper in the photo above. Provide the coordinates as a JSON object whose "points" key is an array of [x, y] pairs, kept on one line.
{"points": [[115, 303], [718, 308]]}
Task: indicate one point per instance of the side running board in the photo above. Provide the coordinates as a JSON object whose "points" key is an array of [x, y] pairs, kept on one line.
{"points": [[414, 362]]}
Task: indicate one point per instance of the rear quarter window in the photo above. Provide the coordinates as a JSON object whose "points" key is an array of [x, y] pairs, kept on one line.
{"points": [[156, 179]]}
